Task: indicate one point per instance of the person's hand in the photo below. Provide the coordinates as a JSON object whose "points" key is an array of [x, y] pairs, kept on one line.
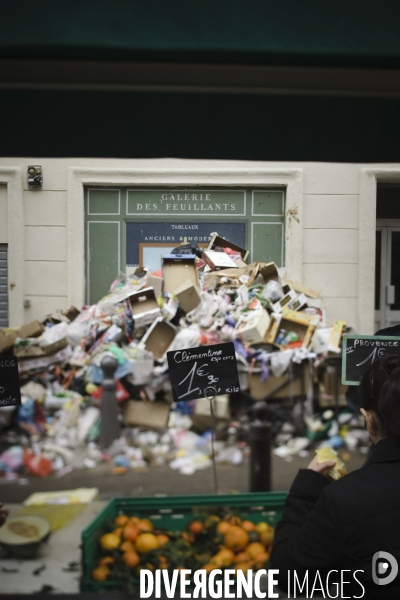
{"points": [[3, 514], [323, 467]]}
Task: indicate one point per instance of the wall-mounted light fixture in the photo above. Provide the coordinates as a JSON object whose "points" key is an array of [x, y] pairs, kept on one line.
{"points": [[35, 177]]}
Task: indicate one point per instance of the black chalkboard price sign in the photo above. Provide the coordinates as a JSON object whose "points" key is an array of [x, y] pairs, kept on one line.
{"points": [[10, 394], [204, 371], [360, 351]]}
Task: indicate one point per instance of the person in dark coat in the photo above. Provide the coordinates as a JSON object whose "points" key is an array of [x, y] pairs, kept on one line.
{"points": [[333, 530]]}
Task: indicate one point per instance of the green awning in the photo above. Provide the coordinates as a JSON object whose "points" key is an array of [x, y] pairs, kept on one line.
{"points": [[248, 31]]}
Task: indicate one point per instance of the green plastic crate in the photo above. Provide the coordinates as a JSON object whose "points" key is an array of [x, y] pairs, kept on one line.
{"points": [[172, 512]]}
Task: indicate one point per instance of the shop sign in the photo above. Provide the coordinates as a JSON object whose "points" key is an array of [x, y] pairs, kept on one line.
{"points": [[184, 202]]}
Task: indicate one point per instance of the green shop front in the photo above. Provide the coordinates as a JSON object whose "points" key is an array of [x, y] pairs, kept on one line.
{"points": [[127, 227]]}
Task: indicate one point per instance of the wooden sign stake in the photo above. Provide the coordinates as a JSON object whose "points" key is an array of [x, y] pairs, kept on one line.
{"points": [[211, 395]]}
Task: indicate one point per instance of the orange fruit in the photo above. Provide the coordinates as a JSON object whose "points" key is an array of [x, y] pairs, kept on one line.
{"points": [[261, 560], [223, 558], [248, 525], [196, 527], [127, 546], [146, 542], [211, 520], [118, 531], [255, 549], [131, 558], [100, 573], [267, 537], [209, 567], [145, 525], [262, 526], [162, 539], [244, 566], [107, 560], [223, 527], [110, 541], [234, 520], [236, 538], [130, 532], [121, 520], [241, 557], [163, 562], [134, 520]]}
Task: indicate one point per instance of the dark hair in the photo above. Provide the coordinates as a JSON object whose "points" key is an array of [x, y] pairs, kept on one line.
{"points": [[380, 392]]}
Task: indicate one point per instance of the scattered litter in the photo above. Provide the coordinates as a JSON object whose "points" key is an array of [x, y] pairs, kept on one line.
{"points": [[282, 339]]}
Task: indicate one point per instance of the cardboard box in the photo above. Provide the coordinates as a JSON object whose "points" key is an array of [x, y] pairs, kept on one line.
{"points": [[33, 329], [269, 271], [158, 338], [153, 415], [214, 277], [336, 336], [188, 296], [260, 389], [301, 317], [201, 416], [253, 331], [326, 384], [220, 242], [301, 323], [284, 301], [299, 303], [7, 340], [144, 307], [156, 283], [218, 260], [177, 269]]}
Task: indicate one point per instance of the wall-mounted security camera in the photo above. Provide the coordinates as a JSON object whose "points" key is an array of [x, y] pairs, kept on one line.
{"points": [[35, 177]]}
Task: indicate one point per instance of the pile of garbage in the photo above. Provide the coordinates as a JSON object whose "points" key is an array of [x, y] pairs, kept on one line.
{"points": [[278, 328]]}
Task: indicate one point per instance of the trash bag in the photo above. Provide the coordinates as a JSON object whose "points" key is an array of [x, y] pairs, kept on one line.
{"points": [[188, 249]]}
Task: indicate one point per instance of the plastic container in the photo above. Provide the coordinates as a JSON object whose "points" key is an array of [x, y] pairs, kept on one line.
{"points": [[172, 512]]}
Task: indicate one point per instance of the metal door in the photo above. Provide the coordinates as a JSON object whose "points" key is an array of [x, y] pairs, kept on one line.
{"points": [[387, 274]]}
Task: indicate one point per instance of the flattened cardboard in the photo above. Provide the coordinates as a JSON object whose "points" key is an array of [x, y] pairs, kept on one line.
{"points": [[33, 329], [144, 307], [303, 289], [44, 361], [188, 296], [29, 352], [218, 260], [220, 242], [7, 340], [153, 415], [156, 283], [56, 347], [158, 338], [177, 269]]}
